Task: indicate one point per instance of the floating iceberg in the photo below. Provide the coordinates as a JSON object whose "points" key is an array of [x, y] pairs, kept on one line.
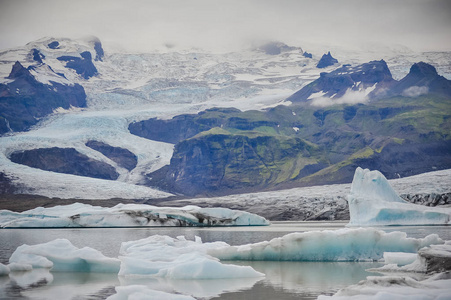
{"points": [[60, 255], [395, 287], [127, 215], [372, 201], [177, 258], [431, 260], [347, 244]]}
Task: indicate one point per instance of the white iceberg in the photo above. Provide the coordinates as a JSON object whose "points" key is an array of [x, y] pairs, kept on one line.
{"points": [[347, 244], [432, 259], [372, 201], [435, 259], [399, 258], [177, 258], [127, 215], [60, 255]]}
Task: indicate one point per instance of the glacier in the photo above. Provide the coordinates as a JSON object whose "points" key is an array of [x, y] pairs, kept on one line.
{"points": [[347, 244], [127, 215], [135, 86], [373, 202]]}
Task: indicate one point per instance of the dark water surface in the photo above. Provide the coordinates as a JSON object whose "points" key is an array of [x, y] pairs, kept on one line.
{"points": [[284, 280]]}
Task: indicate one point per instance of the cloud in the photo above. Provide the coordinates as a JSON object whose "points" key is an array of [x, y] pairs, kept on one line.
{"points": [[350, 97], [415, 91], [229, 24]]}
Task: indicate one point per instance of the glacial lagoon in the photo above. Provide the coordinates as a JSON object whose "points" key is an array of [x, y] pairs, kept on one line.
{"points": [[283, 280]]}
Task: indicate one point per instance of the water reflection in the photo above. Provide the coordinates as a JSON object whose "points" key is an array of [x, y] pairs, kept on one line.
{"points": [[284, 279], [311, 278], [42, 284], [203, 289]]}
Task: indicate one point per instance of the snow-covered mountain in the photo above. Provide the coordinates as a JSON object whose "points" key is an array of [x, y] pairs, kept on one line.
{"points": [[122, 88]]}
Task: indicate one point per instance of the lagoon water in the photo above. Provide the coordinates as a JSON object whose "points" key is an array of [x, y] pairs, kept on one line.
{"points": [[284, 280]]}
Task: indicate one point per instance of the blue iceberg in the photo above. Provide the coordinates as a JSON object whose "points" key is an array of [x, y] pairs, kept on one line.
{"points": [[373, 202]]}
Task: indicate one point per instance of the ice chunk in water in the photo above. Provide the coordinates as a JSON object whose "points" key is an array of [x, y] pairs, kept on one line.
{"points": [[127, 215], [372, 201], [347, 244], [61, 255], [177, 258]]}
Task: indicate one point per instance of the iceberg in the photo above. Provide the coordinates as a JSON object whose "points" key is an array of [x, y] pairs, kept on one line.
{"points": [[373, 202], [177, 258], [395, 287], [347, 244], [433, 261], [127, 215], [61, 256]]}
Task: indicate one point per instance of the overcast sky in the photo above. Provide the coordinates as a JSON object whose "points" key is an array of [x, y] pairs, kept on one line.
{"points": [[140, 25]]}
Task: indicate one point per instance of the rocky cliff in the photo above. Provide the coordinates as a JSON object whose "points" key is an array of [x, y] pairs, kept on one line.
{"points": [[24, 99]]}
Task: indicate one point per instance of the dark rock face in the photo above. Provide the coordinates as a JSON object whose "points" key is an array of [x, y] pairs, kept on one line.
{"points": [[37, 56], [6, 186], [326, 61], [53, 45], [64, 160], [422, 79], [99, 50], [339, 81], [121, 156], [83, 66], [307, 55], [181, 127], [24, 100], [214, 163]]}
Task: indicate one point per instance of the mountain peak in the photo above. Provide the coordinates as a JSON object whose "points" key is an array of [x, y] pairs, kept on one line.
{"points": [[18, 71], [326, 61], [423, 69]]}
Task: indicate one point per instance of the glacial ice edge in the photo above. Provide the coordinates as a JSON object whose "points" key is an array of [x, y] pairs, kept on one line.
{"points": [[373, 202], [127, 215]]}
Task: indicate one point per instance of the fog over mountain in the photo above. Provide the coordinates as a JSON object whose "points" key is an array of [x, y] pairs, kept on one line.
{"points": [[225, 25]]}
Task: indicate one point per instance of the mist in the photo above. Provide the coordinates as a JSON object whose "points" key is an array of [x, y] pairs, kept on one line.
{"points": [[224, 25]]}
